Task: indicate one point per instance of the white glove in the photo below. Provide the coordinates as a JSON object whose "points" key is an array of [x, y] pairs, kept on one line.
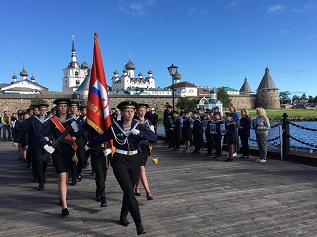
{"points": [[49, 149], [107, 152], [135, 131], [152, 128], [74, 126], [87, 147]]}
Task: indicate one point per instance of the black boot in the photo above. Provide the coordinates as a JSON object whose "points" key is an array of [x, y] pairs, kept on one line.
{"points": [[124, 221], [140, 229], [103, 202]]}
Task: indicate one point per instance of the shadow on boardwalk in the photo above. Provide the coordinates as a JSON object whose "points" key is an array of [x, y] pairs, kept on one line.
{"points": [[194, 195]]}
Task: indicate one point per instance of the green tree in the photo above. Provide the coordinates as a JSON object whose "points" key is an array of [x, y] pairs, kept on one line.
{"points": [[38, 100], [303, 97], [284, 97], [310, 99], [223, 96], [185, 103], [315, 99], [295, 97]]}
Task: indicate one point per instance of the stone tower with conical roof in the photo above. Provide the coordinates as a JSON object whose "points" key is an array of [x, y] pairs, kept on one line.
{"points": [[245, 88], [267, 93]]}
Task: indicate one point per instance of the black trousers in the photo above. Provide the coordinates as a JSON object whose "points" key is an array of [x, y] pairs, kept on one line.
{"points": [[245, 144], [176, 138], [217, 140], [210, 142], [168, 133], [31, 159], [41, 158], [198, 139], [126, 170], [80, 153], [98, 163]]}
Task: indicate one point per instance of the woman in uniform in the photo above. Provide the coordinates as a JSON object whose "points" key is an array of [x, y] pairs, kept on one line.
{"points": [[141, 112], [230, 128], [127, 160], [62, 156]]}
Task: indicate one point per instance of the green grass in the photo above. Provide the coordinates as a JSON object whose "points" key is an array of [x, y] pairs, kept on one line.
{"points": [[277, 114], [274, 114]]}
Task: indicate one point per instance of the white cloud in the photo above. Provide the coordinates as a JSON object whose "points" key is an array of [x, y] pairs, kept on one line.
{"points": [[276, 8], [136, 8], [307, 7], [191, 11], [234, 4]]}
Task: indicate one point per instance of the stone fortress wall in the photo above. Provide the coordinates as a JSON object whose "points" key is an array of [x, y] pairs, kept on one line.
{"points": [[12, 103]]}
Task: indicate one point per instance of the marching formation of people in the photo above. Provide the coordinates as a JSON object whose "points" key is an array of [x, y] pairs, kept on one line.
{"points": [[62, 136]]}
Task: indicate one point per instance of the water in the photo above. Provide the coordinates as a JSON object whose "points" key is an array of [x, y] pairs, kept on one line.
{"points": [[301, 134]]}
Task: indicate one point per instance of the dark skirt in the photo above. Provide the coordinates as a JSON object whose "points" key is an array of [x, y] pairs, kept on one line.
{"points": [[230, 139], [62, 158], [187, 134]]}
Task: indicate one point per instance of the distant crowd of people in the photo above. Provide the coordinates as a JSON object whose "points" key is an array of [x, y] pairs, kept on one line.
{"points": [[191, 127]]}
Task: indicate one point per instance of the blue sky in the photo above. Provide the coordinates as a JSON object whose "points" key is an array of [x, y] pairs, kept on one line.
{"points": [[213, 42]]}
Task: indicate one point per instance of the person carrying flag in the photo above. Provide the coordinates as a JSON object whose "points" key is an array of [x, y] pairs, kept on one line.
{"points": [[127, 160]]}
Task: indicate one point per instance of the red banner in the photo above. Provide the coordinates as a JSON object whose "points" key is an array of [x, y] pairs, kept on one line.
{"points": [[98, 113]]}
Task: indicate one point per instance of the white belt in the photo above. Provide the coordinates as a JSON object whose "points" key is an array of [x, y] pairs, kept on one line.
{"points": [[129, 153]]}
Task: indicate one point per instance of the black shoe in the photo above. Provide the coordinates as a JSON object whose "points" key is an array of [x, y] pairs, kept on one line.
{"points": [[79, 178], [229, 160], [41, 187], [98, 198], [124, 221], [65, 212], [149, 196], [73, 183], [137, 193], [103, 202], [140, 230], [208, 154], [175, 149]]}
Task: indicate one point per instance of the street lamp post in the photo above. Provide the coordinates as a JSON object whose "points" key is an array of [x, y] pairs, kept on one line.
{"points": [[172, 70]]}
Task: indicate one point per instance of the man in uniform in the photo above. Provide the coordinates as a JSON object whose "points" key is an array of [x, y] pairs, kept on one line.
{"points": [[168, 115], [40, 158], [197, 132], [80, 152]]}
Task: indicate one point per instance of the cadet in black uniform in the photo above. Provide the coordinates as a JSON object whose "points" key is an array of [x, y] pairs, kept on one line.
{"points": [[207, 125], [62, 156], [217, 135], [197, 132], [168, 114], [176, 130], [80, 152], [141, 112], [98, 163], [186, 125], [126, 160]]}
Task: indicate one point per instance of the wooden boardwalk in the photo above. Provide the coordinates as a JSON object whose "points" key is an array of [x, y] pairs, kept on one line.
{"points": [[194, 195]]}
